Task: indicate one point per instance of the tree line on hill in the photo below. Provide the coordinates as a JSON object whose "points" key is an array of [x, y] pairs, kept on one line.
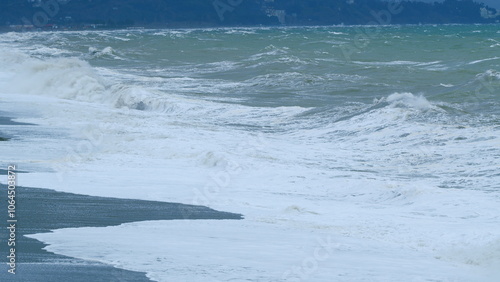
{"points": [[203, 13]]}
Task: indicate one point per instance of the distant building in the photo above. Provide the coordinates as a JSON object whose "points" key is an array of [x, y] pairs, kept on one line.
{"points": [[489, 14], [280, 14]]}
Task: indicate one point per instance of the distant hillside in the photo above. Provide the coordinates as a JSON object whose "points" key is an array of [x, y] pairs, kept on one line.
{"points": [[386, 12], [202, 13]]}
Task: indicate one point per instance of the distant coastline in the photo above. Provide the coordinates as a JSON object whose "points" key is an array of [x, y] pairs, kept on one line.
{"points": [[183, 27], [43, 15]]}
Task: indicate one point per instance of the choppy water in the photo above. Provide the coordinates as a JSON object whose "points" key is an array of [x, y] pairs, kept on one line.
{"points": [[262, 121]]}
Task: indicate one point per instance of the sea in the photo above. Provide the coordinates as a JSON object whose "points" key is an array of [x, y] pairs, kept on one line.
{"points": [[354, 153]]}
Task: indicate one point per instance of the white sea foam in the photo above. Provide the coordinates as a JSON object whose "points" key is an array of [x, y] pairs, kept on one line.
{"points": [[483, 60], [446, 85], [63, 78], [240, 31], [74, 79], [488, 75], [262, 179], [410, 100], [345, 206], [106, 52], [293, 257], [396, 63]]}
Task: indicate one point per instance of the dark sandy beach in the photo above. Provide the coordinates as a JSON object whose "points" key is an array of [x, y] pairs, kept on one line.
{"points": [[9, 121], [43, 210]]}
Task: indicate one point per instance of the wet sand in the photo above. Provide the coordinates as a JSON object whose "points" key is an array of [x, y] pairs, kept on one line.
{"points": [[41, 210]]}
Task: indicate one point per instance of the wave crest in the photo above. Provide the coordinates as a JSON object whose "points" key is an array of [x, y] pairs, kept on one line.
{"points": [[67, 78], [409, 100]]}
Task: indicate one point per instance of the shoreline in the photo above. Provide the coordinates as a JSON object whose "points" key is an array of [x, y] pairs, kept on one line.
{"points": [[40, 210]]}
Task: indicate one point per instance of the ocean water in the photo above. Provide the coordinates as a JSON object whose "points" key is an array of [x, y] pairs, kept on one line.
{"points": [[354, 153]]}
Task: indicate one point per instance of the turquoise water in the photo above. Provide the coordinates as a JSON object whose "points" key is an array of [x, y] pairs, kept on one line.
{"points": [[302, 66]]}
